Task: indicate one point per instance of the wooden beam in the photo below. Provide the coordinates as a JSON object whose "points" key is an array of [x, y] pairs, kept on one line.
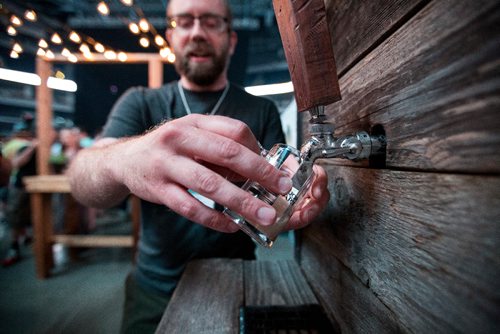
{"points": [[93, 240], [308, 50]]}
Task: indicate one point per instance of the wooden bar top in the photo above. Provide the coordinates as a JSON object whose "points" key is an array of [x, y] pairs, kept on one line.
{"points": [[47, 184], [211, 292]]}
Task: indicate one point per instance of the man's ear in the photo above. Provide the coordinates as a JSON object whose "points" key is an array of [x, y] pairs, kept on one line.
{"points": [[233, 40]]}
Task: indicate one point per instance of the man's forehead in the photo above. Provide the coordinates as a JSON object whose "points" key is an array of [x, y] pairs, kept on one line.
{"points": [[196, 7]]}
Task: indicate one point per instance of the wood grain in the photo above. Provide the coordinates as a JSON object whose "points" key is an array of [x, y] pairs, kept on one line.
{"points": [[425, 244], [207, 299], [276, 283], [359, 26], [434, 85], [308, 50]]}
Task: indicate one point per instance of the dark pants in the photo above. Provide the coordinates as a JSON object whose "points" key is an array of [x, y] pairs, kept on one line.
{"points": [[143, 310]]}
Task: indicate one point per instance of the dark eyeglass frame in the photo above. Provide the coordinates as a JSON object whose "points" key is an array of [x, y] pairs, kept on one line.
{"points": [[221, 27]]}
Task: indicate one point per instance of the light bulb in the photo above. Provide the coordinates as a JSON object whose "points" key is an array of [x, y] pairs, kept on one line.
{"points": [[159, 40], [144, 25], [56, 39], [49, 54], [122, 56], [103, 8], [43, 44], [15, 20], [110, 54], [11, 31], [40, 52], [134, 28], [17, 47], [14, 54], [30, 15], [127, 2], [99, 47], [144, 42], [75, 37], [171, 58]]}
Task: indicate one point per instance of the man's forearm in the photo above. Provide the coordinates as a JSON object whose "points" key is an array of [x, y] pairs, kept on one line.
{"points": [[92, 176]]}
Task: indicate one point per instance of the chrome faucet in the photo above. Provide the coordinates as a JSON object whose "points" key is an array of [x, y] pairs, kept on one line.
{"points": [[323, 144]]}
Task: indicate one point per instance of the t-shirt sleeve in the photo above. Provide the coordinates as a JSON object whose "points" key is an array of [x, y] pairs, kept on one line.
{"points": [[127, 115]]}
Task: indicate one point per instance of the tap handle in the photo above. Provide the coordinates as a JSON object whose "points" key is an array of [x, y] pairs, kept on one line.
{"points": [[308, 49]]}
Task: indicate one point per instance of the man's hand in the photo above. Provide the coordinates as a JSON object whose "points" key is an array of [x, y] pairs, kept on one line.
{"points": [[202, 153]]}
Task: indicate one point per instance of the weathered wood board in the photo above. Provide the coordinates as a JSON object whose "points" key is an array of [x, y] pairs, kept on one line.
{"points": [[276, 283], [425, 244], [434, 85], [207, 299]]}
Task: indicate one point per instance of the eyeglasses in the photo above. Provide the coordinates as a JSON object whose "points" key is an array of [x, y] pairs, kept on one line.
{"points": [[209, 22]]}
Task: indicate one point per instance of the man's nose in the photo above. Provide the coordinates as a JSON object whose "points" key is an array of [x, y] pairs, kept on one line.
{"points": [[197, 30]]}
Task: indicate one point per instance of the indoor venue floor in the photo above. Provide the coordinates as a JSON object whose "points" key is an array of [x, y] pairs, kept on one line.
{"points": [[82, 296]]}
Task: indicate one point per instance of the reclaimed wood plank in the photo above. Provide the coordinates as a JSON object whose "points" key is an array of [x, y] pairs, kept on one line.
{"points": [[207, 299], [358, 26], [437, 98], [47, 184], [426, 244], [307, 44], [270, 283]]}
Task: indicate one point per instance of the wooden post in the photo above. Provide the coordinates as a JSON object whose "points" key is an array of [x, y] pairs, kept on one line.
{"points": [[155, 73], [44, 116]]}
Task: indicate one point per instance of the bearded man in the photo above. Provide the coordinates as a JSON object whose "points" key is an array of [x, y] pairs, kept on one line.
{"points": [[178, 148]]}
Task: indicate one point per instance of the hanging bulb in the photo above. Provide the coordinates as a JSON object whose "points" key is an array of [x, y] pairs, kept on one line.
{"points": [[99, 47], [17, 47], [84, 48], [75, 37], [144, 25], [144, 42], [56, 39], [49, 54], [110, 54], [159, 40], [127, 2], [103, 8], [65, 52], [164, 52], [11, 31], [72, 58], [134, 28], [171, 58], [40, 52], [122, 56], [16, 21], [14, 54], [30, 15], [43, 44]]}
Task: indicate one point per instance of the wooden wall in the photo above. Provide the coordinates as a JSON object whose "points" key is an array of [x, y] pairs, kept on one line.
{"points": [[413, 245]]}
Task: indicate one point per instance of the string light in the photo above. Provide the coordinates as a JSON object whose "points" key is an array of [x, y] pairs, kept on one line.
{"points": [[65, 52], [127, 2], [14, 54], [72, 58], [49, 54], [11, 31], [43, 44], [40, 52], [122, 56], [99, 47], [144, 25], [56, 39], [171, 58], [164, 52], [30, 15], [75, 37], [16, 21], [144, 42], [110, 54], [103, 8], [134, 28], [17, 47], [159, 40]]}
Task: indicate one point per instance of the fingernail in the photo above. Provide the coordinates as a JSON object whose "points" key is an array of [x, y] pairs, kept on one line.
{"points": [[266, 215], [285, 184]]}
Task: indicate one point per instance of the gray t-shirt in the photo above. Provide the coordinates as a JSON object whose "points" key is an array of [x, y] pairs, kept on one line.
{"points": [[168, 241]]}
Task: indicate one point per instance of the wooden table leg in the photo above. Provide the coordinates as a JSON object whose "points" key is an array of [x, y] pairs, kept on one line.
{"points": [[42, 229]]}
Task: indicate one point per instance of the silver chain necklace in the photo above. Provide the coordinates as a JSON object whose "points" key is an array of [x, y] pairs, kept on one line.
{"points": [[214, 109]]}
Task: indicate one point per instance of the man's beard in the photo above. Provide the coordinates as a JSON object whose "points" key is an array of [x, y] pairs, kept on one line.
{"points": [[202, 74]]}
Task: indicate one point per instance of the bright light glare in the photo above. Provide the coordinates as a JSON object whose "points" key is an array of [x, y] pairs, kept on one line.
{"points": [[34, 80], [281, 88]]}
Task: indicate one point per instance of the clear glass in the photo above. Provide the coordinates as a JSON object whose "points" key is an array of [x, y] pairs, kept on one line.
{"points": [[288, 159]]}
